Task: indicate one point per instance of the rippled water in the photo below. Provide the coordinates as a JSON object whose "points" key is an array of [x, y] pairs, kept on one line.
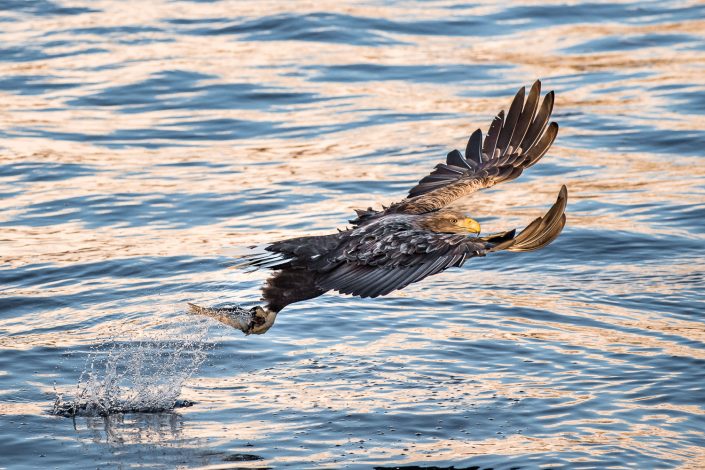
{"points": [[143, 141]]}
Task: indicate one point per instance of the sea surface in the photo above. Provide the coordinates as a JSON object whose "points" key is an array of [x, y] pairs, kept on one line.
{"points": [[141, 143]]}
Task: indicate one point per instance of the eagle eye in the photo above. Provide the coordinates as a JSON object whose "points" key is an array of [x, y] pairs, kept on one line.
{"points": [[453, 221]]}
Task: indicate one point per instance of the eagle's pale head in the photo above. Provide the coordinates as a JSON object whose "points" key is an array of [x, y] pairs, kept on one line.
{"points": [[448, 221]]}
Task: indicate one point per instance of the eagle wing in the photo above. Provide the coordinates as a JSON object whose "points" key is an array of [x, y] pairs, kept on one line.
{"points": [[385, 256], [513, 143]]}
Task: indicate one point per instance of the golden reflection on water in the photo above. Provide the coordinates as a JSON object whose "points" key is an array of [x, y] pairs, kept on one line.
{"points": [[329, 173]]}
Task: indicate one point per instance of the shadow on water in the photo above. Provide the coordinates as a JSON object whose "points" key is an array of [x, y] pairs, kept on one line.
{"points": [[78, 408], [132, 437]]}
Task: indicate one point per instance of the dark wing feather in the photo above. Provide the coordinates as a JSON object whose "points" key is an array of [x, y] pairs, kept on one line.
{"points": [[527, 115], [386, 256], [373, 281], [294, 252], [510, 124], [511, 145], [377, 266], [455, 158], [539, 123], [473, 151], [490, 144]]}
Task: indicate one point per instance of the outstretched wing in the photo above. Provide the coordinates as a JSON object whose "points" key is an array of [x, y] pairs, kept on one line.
{"points": [[541, 231], [511, 145], [382, 262], [384, 258]]}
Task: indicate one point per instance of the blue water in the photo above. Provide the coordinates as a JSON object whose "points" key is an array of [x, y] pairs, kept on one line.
{"points": [[141, 143]]}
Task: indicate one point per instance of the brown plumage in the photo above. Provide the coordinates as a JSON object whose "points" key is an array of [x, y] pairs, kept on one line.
{"points": [[417, 237]]}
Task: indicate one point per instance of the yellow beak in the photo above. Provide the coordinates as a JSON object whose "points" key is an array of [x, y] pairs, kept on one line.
{"points": [[471, 225]]}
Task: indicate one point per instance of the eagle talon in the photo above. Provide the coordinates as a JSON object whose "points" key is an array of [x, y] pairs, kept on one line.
{"points": [[262, 321], [253, 321]]}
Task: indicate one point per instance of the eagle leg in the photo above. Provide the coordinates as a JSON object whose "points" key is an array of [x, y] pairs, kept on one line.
{"points": [[256, 320]]}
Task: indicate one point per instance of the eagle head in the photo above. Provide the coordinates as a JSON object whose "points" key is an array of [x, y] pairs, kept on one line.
{"points": [[448, 221]]}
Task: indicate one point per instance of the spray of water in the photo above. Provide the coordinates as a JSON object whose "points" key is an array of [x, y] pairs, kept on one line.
{"points": [[138, 370]]}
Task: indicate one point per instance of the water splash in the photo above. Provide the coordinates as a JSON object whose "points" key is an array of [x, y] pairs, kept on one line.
{"points": [[137, 371]]}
